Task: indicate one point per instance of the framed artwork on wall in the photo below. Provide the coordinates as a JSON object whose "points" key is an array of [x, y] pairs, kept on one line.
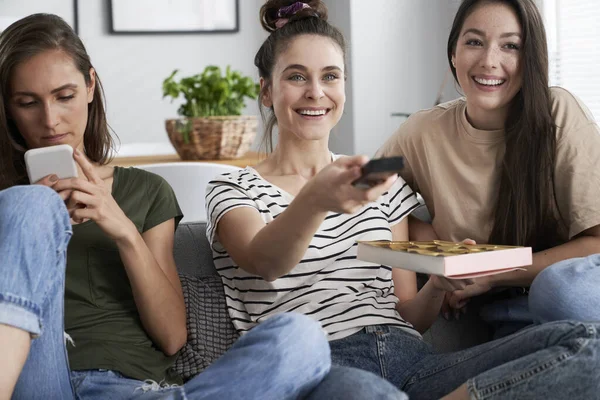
{"points": [[173, 16]]}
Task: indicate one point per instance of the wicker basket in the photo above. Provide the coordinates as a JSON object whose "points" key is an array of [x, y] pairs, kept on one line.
{"points": [[212, 138]]}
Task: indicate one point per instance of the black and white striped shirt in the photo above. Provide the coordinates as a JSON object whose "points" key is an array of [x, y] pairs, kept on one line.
{"points": [[329, 284]]}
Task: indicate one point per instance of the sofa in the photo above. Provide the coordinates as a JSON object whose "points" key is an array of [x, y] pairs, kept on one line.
{"points": [[211, 333]]}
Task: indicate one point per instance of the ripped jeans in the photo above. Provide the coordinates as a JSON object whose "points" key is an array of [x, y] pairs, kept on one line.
{"points": [[285, 357]]}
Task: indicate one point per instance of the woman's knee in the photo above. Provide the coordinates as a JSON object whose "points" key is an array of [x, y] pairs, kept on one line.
{"points": [[30, 199], [300, 340], [307, 334], [567, 290], [32, 205]]}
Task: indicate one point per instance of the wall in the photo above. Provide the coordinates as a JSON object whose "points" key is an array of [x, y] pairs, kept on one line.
{"points": [[132, 67], [398, 63], [342, 139]]}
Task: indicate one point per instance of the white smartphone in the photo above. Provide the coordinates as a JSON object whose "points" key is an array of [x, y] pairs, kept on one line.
{"points": [[45, 161]]}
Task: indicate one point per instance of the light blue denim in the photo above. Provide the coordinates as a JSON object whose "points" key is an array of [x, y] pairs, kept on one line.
{"points": [[285, 357], [567, 290], [557, 360]]}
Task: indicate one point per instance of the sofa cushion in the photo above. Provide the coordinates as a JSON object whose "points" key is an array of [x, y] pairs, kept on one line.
{"points": [[210, 330], [192, 251]]}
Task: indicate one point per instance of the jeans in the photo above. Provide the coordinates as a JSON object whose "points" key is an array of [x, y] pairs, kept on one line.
{"points": [[567, 290], [285, 357], [557, 360]]}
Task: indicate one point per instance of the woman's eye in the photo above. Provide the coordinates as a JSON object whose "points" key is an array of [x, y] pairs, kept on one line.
{"points": [[473, 42], [512, 46], [26, 103], [66, 98], [296, 78], [330, 77]]}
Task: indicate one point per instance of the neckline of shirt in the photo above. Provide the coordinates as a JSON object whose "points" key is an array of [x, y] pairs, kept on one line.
{"points": [[473, 134]]}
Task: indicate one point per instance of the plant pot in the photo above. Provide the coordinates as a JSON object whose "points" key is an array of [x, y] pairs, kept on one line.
{"points": [[212, 138]]}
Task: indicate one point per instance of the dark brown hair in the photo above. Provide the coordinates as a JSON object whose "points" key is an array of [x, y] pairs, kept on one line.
{"points": [[307, 21], [525, 208], [22, 40]]}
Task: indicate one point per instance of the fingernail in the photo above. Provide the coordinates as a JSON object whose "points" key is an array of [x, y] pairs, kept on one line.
{"points": [[53, 178]]}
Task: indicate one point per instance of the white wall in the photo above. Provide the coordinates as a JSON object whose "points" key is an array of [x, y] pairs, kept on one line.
{"points": [[132, 67], [398, 63]]}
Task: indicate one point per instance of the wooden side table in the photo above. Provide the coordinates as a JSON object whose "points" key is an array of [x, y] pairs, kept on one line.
{"points": [[249, 159]]}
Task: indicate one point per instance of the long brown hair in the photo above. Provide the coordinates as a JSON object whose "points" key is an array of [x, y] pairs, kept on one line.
{"points": [[311, 20], [525, 209], [22, 40]]}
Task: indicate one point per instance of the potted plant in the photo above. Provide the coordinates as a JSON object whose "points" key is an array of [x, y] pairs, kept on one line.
{"points": [[211, 126]]}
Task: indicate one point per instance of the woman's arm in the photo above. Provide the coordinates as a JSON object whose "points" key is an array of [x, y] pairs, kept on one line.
{"points": [[148, 260], [585, 244], [420, 230], [422, 307], [273, 250], [147, 257]]}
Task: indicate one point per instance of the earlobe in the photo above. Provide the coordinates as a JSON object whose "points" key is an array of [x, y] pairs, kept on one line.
{"points": [[265, 93], [92, 85], [453, 60]]}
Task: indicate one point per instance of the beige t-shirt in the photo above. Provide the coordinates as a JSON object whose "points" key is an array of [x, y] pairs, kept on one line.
{"points": [[456, 167]]}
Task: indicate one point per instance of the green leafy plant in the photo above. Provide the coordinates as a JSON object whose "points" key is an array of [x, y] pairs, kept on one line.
{"points": [[211, 93]]}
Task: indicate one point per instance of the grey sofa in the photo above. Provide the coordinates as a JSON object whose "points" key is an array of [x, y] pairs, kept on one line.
{"points": [[210, 331]]}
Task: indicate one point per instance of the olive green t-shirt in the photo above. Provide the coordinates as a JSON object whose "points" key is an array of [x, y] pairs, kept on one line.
{"points": [[100, 312]]}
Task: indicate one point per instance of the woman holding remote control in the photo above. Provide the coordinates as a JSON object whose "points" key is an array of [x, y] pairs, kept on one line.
{"points": [[114, 290], [284, 237], [513, 162]]}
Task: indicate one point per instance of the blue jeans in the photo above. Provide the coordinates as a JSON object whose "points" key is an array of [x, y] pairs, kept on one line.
{"points": [[558, 360], [286, 357], [567, 290]]}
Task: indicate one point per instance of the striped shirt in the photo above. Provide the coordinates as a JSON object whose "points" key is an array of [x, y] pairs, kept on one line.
{"points": [[329, 284]]}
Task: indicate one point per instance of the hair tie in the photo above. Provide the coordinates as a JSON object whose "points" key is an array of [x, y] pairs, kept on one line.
{"points": [[285, 12]]}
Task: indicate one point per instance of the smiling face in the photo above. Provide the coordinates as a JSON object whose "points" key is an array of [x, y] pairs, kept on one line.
{"points": [[48, 100], [488, 62], [307, 91]]}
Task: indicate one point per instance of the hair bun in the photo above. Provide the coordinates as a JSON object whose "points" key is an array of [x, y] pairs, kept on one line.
{"points": [[275, 13]]}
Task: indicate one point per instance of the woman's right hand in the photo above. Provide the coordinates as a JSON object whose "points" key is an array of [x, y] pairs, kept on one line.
{"points": [[332, 190]]}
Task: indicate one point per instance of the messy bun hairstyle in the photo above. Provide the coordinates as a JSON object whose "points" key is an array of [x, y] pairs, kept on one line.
{"points": [[285, 20]]}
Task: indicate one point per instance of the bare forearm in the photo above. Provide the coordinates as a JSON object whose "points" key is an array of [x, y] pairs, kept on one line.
{"points": [[160, 305], [419, 230], [424, 308], [279, 247], [579, 247]]}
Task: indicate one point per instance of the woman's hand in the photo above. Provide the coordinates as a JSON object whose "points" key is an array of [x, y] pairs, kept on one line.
{"points": [[449, 285], [332, 190], [92, 200]]}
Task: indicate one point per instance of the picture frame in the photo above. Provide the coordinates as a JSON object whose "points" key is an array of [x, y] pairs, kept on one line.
{"points": [[173, 16]]}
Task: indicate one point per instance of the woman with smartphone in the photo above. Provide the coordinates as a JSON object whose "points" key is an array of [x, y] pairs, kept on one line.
{"points": [[514, 162], [91, 257], [284, 234]]}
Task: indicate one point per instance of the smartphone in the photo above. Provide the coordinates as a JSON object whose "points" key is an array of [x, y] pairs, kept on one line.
{"points": [[45, 161], [377, 171]]}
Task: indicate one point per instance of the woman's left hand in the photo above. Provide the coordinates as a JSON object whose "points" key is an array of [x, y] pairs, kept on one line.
{"points": [[449, 285], [480, 286], [93, 200]]}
